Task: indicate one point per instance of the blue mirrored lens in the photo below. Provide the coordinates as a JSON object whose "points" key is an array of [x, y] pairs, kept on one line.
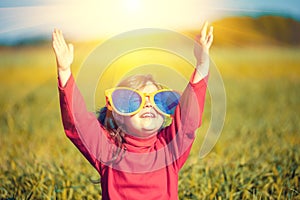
{"points": [[126, 101], [167, 101]]}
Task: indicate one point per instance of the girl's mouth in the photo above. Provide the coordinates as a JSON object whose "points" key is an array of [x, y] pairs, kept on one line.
{"points": [[147, 115]]}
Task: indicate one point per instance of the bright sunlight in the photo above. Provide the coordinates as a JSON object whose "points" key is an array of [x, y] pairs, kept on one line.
{"points": [[132, 5], [106, 18]]}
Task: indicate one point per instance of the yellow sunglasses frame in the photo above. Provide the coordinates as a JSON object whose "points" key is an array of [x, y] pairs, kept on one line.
{"points": [[110, 105]]}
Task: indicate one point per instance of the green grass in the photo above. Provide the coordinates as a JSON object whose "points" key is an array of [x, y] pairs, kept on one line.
{"points": [[256, 157]]}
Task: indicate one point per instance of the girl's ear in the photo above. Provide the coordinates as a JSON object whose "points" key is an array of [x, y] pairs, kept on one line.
{"points": [[167, 122]]}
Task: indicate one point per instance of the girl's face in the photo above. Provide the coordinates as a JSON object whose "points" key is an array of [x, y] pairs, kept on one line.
{"points": [[147, 121]]}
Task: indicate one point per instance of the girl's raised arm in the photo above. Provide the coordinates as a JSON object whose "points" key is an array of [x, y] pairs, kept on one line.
{"points": [[64, 56]]}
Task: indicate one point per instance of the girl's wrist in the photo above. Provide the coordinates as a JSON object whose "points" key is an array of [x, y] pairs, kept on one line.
{"points": [[203, 68], [64, 76]]}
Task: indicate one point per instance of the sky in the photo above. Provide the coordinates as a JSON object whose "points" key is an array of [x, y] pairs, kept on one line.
{"points": [[94, 19]]}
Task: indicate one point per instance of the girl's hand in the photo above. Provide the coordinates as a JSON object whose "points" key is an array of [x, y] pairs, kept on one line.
{"points": [[203, 43], [64, 53], [64, 56]]}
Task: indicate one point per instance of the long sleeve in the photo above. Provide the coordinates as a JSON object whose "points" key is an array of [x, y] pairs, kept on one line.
{"points": [[180, 134], [81, 126], [192, 105]]}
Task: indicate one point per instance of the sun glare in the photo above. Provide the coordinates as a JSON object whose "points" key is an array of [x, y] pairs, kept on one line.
{"points": [[132, 5], [92, 19]]}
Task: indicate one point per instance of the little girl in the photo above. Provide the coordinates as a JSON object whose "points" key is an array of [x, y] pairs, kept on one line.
{"points": [[143, 135]]}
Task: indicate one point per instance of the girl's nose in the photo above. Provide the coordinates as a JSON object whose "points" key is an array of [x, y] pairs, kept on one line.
{"points": [[147, 102]]}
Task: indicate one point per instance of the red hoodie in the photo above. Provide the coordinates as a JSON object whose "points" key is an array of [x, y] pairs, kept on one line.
{"points": [[148, 168]]}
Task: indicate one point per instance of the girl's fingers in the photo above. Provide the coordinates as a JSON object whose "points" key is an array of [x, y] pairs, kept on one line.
{"points": [[211, 30], [59, 42], [210, 40], [210, 36], [203, 32], [56, 38], [205, 39], [71, 48], [59, 38]]}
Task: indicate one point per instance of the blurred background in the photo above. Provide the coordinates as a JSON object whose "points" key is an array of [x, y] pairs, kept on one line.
{"points": [[256, 50]]}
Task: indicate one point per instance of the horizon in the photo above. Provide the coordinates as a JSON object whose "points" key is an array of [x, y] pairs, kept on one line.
{"points": [[22, 21]]}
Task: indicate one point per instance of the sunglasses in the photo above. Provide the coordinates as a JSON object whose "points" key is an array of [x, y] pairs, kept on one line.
{"points": [[127, 101]]}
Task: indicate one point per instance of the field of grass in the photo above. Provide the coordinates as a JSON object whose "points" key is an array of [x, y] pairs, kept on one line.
{"points": [[256, 157]]}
